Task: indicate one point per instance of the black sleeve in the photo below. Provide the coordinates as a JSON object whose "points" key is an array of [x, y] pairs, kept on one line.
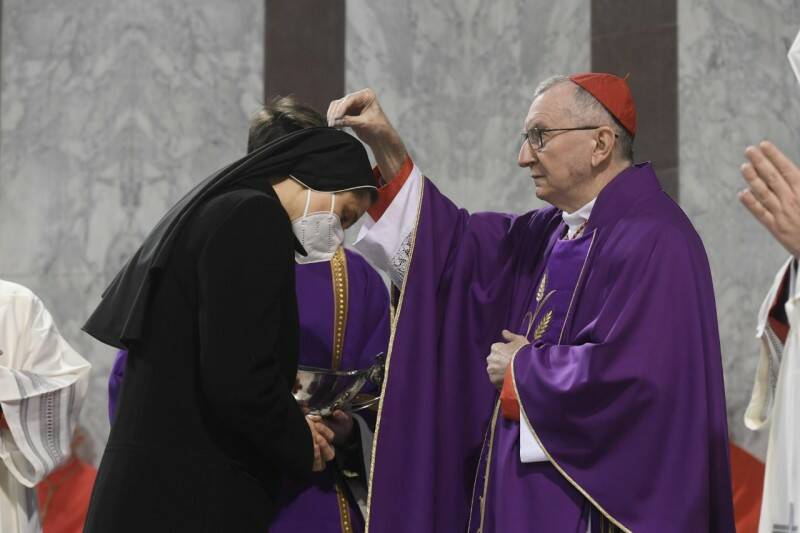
{"points": [[242, 277]]}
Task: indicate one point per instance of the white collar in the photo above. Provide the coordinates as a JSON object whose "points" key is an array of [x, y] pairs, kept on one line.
{"points": [[578, 218]]}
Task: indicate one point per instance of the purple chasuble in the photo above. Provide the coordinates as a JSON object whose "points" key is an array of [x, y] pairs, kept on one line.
{"points": [[625, 395], [534, 496], [314, 505]]}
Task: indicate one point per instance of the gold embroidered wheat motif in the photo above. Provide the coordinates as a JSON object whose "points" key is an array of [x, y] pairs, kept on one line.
{"points": [[544, 323], [542, 287]]}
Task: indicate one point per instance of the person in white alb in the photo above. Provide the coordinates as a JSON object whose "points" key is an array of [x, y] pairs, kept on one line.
{"points": [[773, 197], [43, 383]]}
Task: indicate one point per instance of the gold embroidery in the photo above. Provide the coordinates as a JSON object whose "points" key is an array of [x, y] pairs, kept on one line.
{"points": [[488, 464], [340, 300], [544, 323], [344, 508], [541, 299], [340, 297], [542, 288], [486, 437], [575, 290], [392, 333]]}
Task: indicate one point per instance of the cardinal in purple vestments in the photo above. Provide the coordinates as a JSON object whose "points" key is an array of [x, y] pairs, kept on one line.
{"points": [[598, 319]]}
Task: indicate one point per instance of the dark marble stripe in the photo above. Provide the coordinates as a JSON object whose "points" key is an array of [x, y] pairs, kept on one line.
{"points": [[640, 38], [304, 50]]}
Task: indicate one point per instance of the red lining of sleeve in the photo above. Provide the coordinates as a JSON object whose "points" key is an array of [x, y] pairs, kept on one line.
{"points": [[780, 327], [387, 193], [508, 397]]}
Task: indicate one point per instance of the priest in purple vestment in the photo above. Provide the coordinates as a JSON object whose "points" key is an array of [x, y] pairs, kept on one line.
{"points": [[343, 308], [598, 318]]}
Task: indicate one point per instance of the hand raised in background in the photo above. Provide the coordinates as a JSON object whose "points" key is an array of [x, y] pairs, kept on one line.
{"points": [[773, 193]]}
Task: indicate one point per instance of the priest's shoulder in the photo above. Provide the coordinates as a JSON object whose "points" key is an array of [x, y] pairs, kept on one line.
{"points": [[513, 223], [538, 218], [661, 220]]}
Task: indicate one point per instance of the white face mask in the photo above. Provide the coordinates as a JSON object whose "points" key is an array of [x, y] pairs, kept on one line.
{"points": [[321, 234]]}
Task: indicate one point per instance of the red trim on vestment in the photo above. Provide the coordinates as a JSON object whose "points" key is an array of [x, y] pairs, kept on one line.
{"points": [[387, 193], [508, 397], [776, 322]]}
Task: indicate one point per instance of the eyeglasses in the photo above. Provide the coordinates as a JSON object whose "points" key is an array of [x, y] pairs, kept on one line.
{"points": [[535, 138]]}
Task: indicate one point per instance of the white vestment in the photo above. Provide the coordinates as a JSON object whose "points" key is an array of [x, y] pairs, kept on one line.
{"points": [[776, 401], [43, 383]]}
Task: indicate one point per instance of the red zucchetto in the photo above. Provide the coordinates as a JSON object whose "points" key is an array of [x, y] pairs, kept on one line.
{"points": [[613, 92]]}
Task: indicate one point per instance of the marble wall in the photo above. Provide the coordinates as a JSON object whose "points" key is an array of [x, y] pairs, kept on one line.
{"points": [[456, 78], [109, 112], [735, 88]]}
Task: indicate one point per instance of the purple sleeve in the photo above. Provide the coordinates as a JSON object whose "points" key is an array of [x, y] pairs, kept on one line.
{"points": [[437, 400], [115, 383]]}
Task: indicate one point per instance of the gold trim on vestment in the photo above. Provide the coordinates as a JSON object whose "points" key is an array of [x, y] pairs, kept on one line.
{"points": [[389, 350], [341, 295], [488, 468], [340, 301], [577, 284], [344, 508], [611, 527], [524, 418], [486, 435]]}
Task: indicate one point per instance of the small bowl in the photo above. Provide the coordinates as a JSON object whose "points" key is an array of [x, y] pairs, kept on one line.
{"points": [[321, 391]]}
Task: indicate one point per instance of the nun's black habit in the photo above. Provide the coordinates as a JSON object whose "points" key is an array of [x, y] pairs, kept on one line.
{"points": [[207, 425]]}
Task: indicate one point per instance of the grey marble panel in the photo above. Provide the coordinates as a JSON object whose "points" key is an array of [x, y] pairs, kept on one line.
{"points": [[110, 112], [456, 78], [735, 88]]}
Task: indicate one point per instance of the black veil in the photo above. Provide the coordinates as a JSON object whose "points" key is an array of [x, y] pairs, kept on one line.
{"points": [[323, 159]]}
